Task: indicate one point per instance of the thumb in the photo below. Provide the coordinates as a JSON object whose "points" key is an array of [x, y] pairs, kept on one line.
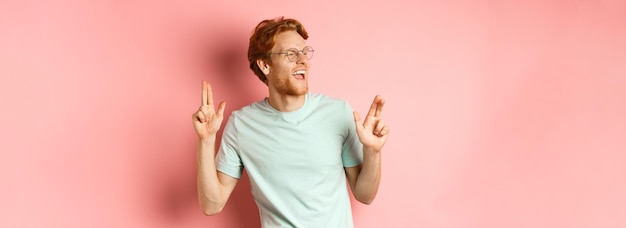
{"points": [[221, 107], [357, 121]]}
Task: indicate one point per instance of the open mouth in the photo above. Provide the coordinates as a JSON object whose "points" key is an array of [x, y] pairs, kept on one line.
{"points": [[299, 74]]}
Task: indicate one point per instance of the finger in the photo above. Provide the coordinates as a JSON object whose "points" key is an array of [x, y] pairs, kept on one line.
{"points": [[384, 131], [209, 95], [357, 121], [204, 93], [379, 108], [379, 127], [199, 116], [373, 107]]}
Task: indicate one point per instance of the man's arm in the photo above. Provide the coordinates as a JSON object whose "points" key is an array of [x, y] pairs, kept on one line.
{"points": [[214, 187], [364, 179]]}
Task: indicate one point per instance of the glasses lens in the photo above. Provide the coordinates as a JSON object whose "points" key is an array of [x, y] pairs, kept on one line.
{"points": [[308, 52], [292, 54]]}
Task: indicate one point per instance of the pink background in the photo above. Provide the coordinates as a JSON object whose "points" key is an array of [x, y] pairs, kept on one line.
{"points": [[503, 113]]}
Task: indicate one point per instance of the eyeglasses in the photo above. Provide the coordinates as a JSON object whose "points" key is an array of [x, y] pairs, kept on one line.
{"points": [[294, 54]]}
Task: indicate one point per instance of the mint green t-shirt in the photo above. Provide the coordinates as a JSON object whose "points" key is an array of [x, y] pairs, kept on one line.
{"points": [[295, 160]]}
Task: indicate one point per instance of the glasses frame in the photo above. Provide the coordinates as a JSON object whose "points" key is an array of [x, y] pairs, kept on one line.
{"points": [[298, 53]]}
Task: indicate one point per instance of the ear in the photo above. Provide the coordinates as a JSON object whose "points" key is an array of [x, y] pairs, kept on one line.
{"points": [[265, 68]]}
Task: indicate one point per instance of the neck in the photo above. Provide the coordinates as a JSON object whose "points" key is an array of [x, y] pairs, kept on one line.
{"points": [[286, 103]]}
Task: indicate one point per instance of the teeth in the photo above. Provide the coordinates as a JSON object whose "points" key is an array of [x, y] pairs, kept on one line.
{"points": [[300, 72]]}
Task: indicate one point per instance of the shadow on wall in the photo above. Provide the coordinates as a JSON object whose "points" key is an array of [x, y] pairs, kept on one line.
{"points": [[239, 87], [218, 55]]}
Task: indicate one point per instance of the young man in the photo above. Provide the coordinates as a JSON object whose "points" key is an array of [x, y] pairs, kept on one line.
{"points": [[298, 148]]}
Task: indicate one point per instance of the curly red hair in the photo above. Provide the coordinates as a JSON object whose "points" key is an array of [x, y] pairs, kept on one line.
{"points": [[263, 38]]}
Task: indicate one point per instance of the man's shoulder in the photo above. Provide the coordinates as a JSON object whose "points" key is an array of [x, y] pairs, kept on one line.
{"points": [[329, 101], [323, 98], [248, 109]]}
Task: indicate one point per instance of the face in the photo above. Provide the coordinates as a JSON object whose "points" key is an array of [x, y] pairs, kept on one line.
{"points": [[283, 76]]}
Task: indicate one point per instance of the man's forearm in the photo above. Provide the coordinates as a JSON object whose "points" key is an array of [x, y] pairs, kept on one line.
{"points": [[369, 176], [209, 187]]}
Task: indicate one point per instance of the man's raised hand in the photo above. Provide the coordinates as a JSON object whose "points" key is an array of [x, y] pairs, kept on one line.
{"points": [[372, 132], [206, 121]]}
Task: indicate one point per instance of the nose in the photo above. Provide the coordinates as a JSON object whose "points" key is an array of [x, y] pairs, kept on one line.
{"points": [[301, 58]]}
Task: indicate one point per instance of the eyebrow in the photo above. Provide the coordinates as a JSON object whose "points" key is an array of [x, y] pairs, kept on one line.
{"points": [[299, 49]]}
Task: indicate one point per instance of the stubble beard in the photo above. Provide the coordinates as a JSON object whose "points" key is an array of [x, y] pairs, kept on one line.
{"points": [[284, 86]]}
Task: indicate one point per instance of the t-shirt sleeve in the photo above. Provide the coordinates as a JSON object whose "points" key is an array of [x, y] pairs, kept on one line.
{"points": [[352, 149], [228, 160]]}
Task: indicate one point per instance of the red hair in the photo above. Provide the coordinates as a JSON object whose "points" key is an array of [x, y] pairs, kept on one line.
{"points": [[263, 38]]}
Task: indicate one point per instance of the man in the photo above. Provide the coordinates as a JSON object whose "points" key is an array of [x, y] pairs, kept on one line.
{"points": [[298, 148]]}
